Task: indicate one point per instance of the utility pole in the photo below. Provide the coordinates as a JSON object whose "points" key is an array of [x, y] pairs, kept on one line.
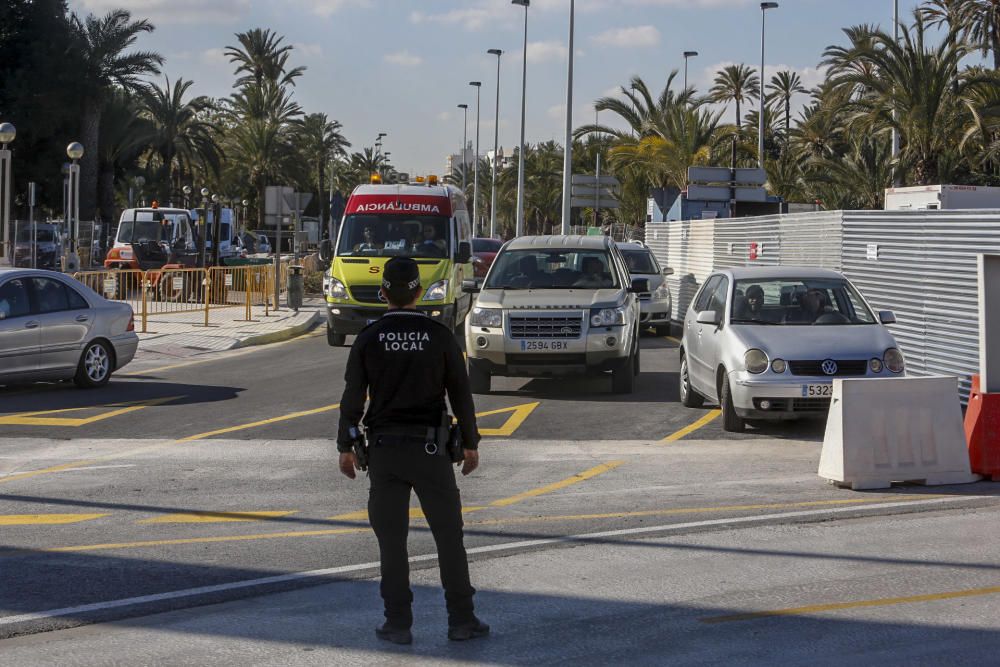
{"points": [[568, 150], [496, 150], [475, 178]]}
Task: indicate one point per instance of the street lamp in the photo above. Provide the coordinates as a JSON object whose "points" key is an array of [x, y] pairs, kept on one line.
{"points": [[896, 182], [245, 204], [203, 223], [74, 151], [496, 151], [475, 165], [764, 6], [187, 195], [519, 220], [687, 54], [7, 134], [568, 150], [465, 139]]}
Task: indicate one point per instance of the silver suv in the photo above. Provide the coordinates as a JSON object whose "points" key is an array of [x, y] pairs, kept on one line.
{"points": [[555, 305]]}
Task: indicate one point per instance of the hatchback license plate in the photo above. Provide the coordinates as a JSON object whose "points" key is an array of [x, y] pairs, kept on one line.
{"points": [[544, 345], [817, 390]]}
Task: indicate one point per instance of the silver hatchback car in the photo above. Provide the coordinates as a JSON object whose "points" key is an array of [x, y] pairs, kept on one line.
{"points": [[53, 327], [766, 343]]}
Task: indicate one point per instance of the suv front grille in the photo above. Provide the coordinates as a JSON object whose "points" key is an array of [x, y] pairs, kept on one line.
{"points": [[546, 326], [542, 359], [815, 368], [366, 293]]}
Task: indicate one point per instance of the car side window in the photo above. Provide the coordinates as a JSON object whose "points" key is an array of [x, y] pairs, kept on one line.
{"points": [[707, 290], [14, 298], [50, 295], [76, 302], [718, 300]]}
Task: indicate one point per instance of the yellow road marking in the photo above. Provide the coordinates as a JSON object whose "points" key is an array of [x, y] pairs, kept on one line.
{"points": [[45, 519], [857, 604], [520, 413], [691, 428], [672, 339], [216, 517], [555, 486], [262, 422], [122, 408], [208, 540]]}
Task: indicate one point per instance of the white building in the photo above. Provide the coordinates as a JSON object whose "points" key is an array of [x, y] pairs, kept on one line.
{"points": [[455, 160]]}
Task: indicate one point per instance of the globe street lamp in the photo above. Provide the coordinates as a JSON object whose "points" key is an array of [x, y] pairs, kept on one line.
{"points": [[519, 220], [245, 204], [187, 195], [465, 140], [496, 151], [764, 6], [7, 134], [74, 151], [203, 228], [687, 55], [475, 165]]}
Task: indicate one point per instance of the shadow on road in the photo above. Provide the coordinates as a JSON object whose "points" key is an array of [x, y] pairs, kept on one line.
{"points": [[68, 397]]}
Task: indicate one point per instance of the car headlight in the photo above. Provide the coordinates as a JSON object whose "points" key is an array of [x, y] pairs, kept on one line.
{"points": [[486, 317], [125, 253], [893, 360], [437, 292], [756, 360], [778, 366], [662, 292], [607, 317], [335, 289]]}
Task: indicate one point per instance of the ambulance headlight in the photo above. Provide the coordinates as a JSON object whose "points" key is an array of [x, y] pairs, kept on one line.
{"points": [[486, 317], [335, 289], [437, 292]]}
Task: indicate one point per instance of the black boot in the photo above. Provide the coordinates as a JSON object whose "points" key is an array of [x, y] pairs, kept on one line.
{"points": [[394, 635], [471, 630]]}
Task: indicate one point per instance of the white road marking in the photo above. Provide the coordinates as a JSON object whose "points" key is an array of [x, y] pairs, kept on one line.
{"points": [[508, 546]]}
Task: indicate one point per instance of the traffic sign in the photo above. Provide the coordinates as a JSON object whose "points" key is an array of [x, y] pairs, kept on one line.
{"points": [[749, 176], [588, 179], [297, 201], [591, 202], [724, 192]]}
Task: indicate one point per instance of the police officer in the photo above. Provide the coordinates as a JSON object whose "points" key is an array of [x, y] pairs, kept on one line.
{"points": [[404, 362]]}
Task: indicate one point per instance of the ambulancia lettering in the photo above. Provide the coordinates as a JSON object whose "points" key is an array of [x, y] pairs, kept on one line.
{"points": [[394, 207]]}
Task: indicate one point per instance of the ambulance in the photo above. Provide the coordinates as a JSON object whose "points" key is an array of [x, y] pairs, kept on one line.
{"points": [[426, 221]]}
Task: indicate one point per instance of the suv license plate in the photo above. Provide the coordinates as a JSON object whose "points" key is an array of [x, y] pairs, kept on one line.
{"points": [[544, 345], [817, 390]]}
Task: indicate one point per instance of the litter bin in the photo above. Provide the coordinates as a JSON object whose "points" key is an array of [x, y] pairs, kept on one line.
{"points": [[295, 287]]}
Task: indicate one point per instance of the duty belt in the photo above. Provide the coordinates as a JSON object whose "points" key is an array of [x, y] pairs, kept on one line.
{"points": [[426, 434]]}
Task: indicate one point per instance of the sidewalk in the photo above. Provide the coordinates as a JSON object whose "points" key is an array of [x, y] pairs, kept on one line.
{"points": [[185, 334]]}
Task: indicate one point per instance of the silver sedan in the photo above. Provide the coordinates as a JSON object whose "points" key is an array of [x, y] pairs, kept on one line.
{"points": [[52, 327], [766, 343]]}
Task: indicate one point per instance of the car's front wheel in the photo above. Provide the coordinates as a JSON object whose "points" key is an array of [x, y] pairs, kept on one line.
{"points": [[731, 421], [689, 397], [335, 339], [95, 367], [623, 377]]}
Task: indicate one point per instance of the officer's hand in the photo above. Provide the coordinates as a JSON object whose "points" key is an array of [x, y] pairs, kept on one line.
{"points": [[347, 464], [471, 461]]}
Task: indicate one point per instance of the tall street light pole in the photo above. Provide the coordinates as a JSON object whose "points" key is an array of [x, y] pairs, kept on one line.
{"points": [[465, 142], [475, 165], [895, 114], [496, 150], [7, 134], [74, 151], [687, 55], [764, 6], [519, 220], [568, 151]]}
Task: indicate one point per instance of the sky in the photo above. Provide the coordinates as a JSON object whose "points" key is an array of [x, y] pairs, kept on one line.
{"points": [[402, 66]]}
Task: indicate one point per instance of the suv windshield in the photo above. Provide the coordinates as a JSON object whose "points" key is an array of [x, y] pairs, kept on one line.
{"points": [[552, 269], [798, 301], [640, 261], [152, 226], [394, 236]]}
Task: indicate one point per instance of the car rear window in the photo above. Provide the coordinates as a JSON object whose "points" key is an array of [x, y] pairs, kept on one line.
{"points": [[14, 298]]}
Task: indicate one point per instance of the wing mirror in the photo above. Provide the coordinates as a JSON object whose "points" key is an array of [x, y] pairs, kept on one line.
{"points": [[709, 317], [640, 285], [886, 317], [464, 253], [470, 287], [326, 250], [668, 271]]}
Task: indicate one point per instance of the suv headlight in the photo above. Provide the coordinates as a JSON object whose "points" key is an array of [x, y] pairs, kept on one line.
{"points": [[335, 289], [486, 317], [893, 359], [437, 292], [662, 292], [607, 317], [756, 360]]}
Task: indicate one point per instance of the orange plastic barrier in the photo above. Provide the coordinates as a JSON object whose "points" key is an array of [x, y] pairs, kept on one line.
{"points": [[982, 431]]}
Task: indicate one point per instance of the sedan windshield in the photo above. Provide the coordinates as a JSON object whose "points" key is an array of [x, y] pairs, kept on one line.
{"points": [[552, 269], [394, 236], [640, 262], [798, 301]]}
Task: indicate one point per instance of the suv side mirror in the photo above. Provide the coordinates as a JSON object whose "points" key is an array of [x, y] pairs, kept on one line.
{"points": [[470, 287], [709, 317], [464, 253], [640, 285], [326, 250], [668, 271], [886, 317]]}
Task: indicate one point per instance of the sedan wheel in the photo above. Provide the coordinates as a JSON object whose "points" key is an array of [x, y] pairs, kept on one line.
{"points": [[95, 366], [731, 421], [689, 397]]}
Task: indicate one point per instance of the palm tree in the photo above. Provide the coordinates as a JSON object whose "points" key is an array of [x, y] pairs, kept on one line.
{"points": [[977, 21], [782, 87], [262, 58], [366, 163], [100, 49], [857, 180], [735, 83], [125, 137], [184, 136], [320, 141]]}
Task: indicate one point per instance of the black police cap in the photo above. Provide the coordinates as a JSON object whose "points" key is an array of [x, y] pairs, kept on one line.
{"points": [[400, 273]]}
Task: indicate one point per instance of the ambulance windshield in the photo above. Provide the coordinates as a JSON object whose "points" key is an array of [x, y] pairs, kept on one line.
{"points": [[365, 235]]}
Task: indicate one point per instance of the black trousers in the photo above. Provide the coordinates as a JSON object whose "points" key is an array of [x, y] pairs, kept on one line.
{"points": [[396, 465]]}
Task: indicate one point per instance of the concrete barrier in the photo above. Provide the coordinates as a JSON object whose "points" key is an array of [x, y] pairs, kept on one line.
{"points": [[884, 430]]}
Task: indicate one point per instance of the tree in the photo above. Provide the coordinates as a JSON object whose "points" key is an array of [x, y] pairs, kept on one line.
{"points": [[783, 86], [977, 21], [320, 141], [735, 83], [100, 47], [262, 58]]}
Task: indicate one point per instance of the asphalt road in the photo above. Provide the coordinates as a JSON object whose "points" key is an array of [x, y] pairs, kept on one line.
{"points": [[219, 472]]}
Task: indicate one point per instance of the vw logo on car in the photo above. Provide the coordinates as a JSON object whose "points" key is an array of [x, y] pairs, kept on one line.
{"points": [[830, 367]]}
